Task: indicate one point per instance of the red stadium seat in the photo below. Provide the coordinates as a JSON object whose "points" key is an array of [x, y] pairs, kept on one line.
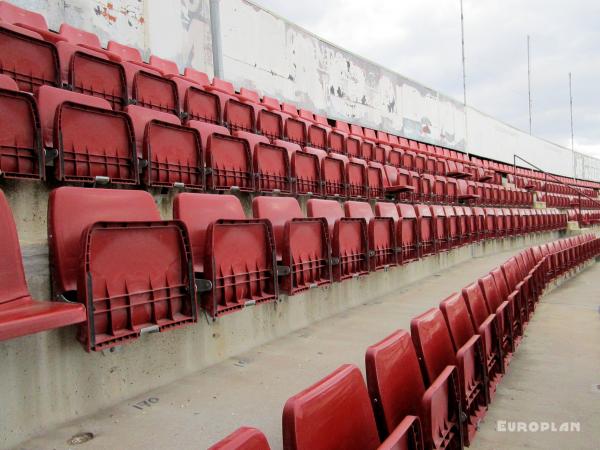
{"points": [[375, 181], [173, 153], [398, 393], [440, 228], [503, 311], [89, 69], [137, 266], [382, 234], [333, 172], [244, 438], [305, 169], [94, 143], [21, 154], [485, 324], [26, 53], [21, 315], [453, 226], [335, 413], [436, 352], [426, 230], [349, 239], [234, 256], [302, 244], [228, 159], [356, 176]]}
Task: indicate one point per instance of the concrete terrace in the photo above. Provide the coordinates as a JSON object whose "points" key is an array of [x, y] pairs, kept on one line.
{"points": [[553, 377]]}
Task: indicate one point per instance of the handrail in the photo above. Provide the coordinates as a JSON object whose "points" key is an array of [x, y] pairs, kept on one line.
{"points": [[546, 175]]}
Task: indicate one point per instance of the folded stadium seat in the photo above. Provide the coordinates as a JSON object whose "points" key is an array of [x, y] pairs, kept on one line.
{"points": [[89, 69], [395, 157], [228, 158], [452, 227], [316, 133], [440, 189], [173, 153], [426, 230], [500, 223], [21, 154], [28, 53], [485, 324], [462, 328], [508, 222], [435, 350], [490, 226], [381, 232], [244, 438], [440, 228], [518, 290], [333, 172], [342, 399], [451, 190], [336, 142], [271, 164], [21, 315], [137, 266], [430, 165], [530, 283], [92, 143], [471, 224], [398, 393], [440, 167], [375, 181], [420, 162], [427, 183], [349, 239], [515, 326], [305, 169], [237, 114], [356, 176], [480, 223], [462, 225], [302, 245], [145, 83], [409, 160], [504, 317], [234, 257]]}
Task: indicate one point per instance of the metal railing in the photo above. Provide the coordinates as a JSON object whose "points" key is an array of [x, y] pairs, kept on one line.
{"points": [[577, 191]]}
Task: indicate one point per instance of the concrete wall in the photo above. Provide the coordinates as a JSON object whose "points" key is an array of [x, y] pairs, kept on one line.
{"points": [[264, 51]]}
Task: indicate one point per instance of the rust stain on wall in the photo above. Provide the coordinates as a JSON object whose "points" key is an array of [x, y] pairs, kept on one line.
{"points": [[110, 13]]}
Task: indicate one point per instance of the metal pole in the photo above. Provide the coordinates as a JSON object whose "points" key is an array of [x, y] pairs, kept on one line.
{"points": [[462, 40], [215, 31], [529, 82], [572, 136]]}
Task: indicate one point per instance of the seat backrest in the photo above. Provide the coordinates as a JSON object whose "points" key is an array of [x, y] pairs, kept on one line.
{"points": [[196, 76], [126, 52], [487, 284], [71, 210], [49, 98], [432, 343], [244, 438], [329, 209], [394, 380], [509, 268], [12, 275], [141, 116], [360, 210], [278, 210], [476, 304], [334, 413], [386, 209], [501, 283], [166, 66], [12, 14], [456, 314], [198, 211], [79, 36]]}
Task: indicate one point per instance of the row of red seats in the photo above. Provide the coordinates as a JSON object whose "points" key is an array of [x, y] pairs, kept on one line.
{"points": [[92, 143], [584, 217], [567, 201], [231, 261], [531, 176], [430, 388], [75, 58]]}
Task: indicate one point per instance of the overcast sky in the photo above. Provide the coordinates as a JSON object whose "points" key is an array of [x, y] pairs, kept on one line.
{"points": [[421, 40]]}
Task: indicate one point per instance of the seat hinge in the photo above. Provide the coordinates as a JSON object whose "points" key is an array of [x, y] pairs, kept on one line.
{"points": [[203, 285]]}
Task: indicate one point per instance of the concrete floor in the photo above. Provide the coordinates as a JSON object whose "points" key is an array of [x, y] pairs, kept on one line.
{"points": [[550, 378]]}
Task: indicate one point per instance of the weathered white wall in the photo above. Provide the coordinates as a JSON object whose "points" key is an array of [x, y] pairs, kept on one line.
{"points": [[266, 52], [280, 59]]}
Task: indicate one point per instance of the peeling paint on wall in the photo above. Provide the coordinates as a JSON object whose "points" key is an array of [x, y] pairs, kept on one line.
{"points": [[280, 59]]}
